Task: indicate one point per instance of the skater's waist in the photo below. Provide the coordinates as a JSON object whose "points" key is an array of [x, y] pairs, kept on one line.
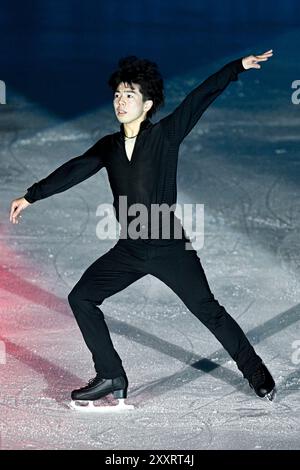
{"points": [[162, 228]]}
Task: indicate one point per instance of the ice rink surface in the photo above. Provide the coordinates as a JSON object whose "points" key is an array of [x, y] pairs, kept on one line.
{"points": [[242, 162]]}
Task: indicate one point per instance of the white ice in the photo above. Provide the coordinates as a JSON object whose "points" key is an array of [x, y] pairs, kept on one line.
{"points": [[242, 161]]}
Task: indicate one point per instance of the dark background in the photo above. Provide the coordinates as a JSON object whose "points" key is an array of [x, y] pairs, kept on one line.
{"points": [[60, 53]]}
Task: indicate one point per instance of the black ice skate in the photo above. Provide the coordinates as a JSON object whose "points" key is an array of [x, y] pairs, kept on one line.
{"points": [[263, 383], [83, 398]]}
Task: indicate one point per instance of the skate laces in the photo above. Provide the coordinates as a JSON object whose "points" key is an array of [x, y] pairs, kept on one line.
{"points": [[93, 381]]}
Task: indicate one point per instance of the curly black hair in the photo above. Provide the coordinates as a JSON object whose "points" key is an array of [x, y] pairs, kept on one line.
{"points": [[144, 73]]}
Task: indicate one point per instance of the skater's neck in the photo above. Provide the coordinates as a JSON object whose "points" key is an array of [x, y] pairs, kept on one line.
{"points": [[131, 129]]}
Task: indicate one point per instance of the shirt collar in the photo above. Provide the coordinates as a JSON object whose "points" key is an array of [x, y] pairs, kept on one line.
{"points": [[144, 124]]}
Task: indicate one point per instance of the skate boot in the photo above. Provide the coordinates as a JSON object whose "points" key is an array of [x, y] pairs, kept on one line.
{"points": [[262, 382], [98, 387]]}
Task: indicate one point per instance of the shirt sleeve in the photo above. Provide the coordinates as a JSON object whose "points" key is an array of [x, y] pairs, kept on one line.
{"points": [[181, 121], [69, 174]]}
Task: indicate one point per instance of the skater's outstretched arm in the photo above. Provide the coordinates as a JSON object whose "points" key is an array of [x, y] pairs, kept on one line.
{"points": [[69, 174], [181, 121]]}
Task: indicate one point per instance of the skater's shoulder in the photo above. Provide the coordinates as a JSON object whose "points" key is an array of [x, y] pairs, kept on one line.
{"points": [[105, 139]]}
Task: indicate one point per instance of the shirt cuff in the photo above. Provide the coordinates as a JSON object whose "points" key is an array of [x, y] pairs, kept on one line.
{"points": [[238, 65], [28, 198]]}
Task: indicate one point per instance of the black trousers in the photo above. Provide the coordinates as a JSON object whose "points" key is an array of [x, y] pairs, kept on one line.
{"points": [[180, 269]]}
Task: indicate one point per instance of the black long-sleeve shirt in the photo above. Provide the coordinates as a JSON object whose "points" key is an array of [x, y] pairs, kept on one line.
{"points": [[150, 176]]}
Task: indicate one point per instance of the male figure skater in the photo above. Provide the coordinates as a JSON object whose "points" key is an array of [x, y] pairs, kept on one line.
{"points": [[141, 162]]}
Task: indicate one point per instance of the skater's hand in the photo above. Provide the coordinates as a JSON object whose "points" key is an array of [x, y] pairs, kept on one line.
{"points": [[17, 206], [250, 62]]}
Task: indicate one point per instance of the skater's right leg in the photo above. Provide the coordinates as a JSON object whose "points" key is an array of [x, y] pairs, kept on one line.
{"points": [[109, 274]]}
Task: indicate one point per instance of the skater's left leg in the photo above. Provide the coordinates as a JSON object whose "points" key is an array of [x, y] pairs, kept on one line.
{"points": [[182, 271]]}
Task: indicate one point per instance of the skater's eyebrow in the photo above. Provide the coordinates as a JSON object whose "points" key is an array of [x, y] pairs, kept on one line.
{"points": [[132, 91]]}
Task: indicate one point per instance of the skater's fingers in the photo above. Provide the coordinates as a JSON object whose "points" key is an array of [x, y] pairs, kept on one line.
{"points": [[253, 60], [263, 56], [15, 217], [266, 54], [13, 207], [260, 57], [270, 52], [15, 211], [17, 206]]}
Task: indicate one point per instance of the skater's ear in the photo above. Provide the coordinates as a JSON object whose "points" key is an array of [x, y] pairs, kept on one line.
{"points": [[148, 105]]}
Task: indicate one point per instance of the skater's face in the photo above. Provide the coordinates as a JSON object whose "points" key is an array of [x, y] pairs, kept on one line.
{"points": [[129, 104]]}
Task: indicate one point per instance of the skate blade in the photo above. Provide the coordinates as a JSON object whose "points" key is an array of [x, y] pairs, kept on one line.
{"points": [[89, 407], [271, 396]]}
